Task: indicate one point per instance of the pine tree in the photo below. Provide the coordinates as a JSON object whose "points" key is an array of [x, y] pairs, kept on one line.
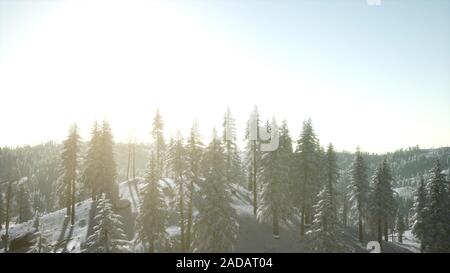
{"points": [[93, 165], [9, 196], [234, 168], [23, 205], [194, 150], [331, 174], [177, 163], [109, 184], [152, 220], [307, 166], [215, 227], [420, 212], [159, 143], [108, 235], [285, 144], [324, 234], [359, 188], [343, 195], [167, 156], [400, 226], [69, 160], [253, 154], [382, 199], [2, 211], [274, 180], [437, 220], [391, 204]]}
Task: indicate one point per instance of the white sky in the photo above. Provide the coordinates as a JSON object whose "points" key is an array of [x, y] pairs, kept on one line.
{"points": [[77, 61]]}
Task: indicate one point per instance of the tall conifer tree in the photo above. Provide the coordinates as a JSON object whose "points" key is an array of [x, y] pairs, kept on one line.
{"points": [[359, 190], [215, 228]]}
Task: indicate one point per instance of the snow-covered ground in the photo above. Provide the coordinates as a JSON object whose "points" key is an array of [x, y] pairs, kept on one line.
{"points": [[410, 242], [406, 192], [253, 236], [56, 227]]}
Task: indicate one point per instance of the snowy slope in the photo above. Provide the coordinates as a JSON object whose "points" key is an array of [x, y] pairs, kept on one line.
{"points": [[406, 192], [253, 236], [62, 236]]}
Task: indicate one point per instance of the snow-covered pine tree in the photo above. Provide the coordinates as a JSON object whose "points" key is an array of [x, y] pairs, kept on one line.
{"points": [[400, 226], [306, 157], [23, 204], [323, 236], [253, 154], [391, 204], [285, 143], [92, 169], [152, 219], [158, 142], [177, 165], [274, 205], [382, 199], [359, 188], [331, 171], [68, 178], [343, 195], [420, 212], [109, 184], [8, 200], [234, 166], [168, 170], [108, 235], [215, 226], [2, 211], [194, 153], [437, 220]]}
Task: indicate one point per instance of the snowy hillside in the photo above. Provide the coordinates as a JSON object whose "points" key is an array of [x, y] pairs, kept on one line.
{"points": [[62, 236], [252, 236]]}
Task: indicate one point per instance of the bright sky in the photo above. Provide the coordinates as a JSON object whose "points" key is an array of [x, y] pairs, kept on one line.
{"points": [[373, 76]]}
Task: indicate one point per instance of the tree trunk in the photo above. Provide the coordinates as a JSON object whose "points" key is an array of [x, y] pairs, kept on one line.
{"points": [[308, 218], [8, 201], [151, 247], [360, 229], [21, 196], [134, 161], [40, 244], [385, 230], [129, 160], [275, 226], [228, 161], [344, 213], [302, 221], [182, 231], [330, 186], [250, 180], [72, 220], [255, 189], [380, 232], [189, 220]]}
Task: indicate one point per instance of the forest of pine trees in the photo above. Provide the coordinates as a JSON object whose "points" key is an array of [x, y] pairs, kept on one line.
{"points": [[300, 184], [431, 223]]}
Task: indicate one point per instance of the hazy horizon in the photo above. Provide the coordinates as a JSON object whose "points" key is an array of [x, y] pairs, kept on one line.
{"points": [[377, 77]]}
